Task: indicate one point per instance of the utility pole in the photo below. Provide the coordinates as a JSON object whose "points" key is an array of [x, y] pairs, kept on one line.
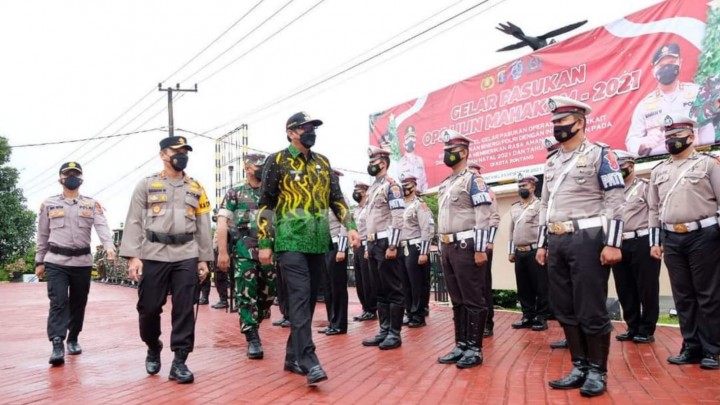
{"points": [[169, 91]]}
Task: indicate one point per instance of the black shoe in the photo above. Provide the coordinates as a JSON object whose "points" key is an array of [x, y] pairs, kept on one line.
{"points": [[539, 324], [560, 344], [335, 331], [222, 304], [203, 301], [235, 307], [323, 330], [254, 349], [294, 367], [686, 356], [405, 320], [152, 360], [392, 341], [644, 338], [315, 375], [279, 321], [488, 332], [710, 362], [417, 323], [595, 383], [625, 337], [471, 358], [357, 318], [179, 371], [368, 316], [455, 354], [73, 348], [58, 353], [285, 323], [575, 379], [523, 323]]}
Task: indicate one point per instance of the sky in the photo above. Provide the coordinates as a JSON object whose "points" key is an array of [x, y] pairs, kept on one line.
{"points": [[77, 69]]}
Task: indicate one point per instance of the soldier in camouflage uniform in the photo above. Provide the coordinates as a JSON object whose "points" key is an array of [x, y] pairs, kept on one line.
{"points": [[254, 283], [100, 264]]}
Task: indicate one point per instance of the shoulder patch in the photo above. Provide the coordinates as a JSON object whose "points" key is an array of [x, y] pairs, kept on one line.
{"points": [[99, 208], [395, 197], [609, 174], [479, 191], [42, 207]]}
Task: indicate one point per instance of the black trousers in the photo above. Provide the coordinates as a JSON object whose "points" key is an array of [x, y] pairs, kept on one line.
{"points": [[390, 289], [301, 274], [205, 285], [68, 288], [222, 282], [182, 279], [425, 304], [578, 283], [488, 291], [637, 282], [465, 280], [416, 275], [369, 280], [693, 262], [337, 274], [532, 285], [282, 294]]}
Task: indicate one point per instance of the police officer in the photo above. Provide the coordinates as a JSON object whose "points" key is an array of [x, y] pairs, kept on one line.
{"points": [[464, 217], [637, 276], [63, 254], [683, 197], [530, 276], [298, 189], [581, 197], [384, 225], [411, 163], [494, 222], [167, 243], [255, 284], [336, 268], [418, 229], [645, 136], [367, 285]]}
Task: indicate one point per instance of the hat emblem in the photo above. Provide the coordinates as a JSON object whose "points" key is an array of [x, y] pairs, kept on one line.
{"points": [[72, 164], [552, 105], [181, 141], [548, 143], [665, 49], [446, 136], [519, 177], [668, 121], [370, 152]]}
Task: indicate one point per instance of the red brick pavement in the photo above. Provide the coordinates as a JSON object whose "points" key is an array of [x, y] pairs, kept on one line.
{"points": [[517, 363]]}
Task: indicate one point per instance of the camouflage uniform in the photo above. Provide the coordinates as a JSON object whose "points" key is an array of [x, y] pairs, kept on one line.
{"points": [[255, 284]]}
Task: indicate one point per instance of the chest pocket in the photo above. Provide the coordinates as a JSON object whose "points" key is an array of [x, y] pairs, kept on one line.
{"points": [[531, 214], [87, 216], [583, 175], [662, 178], [191, 205], [157, 205], [57, 218], [693, 177]]}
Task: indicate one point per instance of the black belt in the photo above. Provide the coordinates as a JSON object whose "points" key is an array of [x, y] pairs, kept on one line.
{"points": [[69, 251], [169, 238]]}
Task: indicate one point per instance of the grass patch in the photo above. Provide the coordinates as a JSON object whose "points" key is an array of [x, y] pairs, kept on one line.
{"points": [[668, 320]]}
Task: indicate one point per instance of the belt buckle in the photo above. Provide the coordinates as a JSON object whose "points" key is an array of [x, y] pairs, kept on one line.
{"points": [[371, 237], [523, 248], [680, 228], [557, 228], [446, 238]]}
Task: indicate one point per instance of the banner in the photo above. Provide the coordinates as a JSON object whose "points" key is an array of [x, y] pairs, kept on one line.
{"points": [[632, 72]]}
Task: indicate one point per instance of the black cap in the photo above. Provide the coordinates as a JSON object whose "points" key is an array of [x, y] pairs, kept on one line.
{"points": [[666, 50], [257, 159], [67, 166], [301, 118], [175, 142]]}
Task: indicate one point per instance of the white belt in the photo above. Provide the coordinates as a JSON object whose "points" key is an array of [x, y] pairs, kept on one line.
{"points": [[410, 242], [456, 237], [635, 234], [363, 242], [335, 239], [559, 228], [375, 236], [690, 226]]}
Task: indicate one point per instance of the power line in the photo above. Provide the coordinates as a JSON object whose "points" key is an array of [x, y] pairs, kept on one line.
{"points": [[28, 145]]}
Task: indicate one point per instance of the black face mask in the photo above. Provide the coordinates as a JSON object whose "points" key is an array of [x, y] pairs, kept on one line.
{"points": [[667, 74], [524, 193], [677, 145], [72, 182], [258, 173], [179, 161], [451, 158], [357, 196], [307, 139], [408, 191], [625, 172], [564, 133], [410, 147], [373, 170]]}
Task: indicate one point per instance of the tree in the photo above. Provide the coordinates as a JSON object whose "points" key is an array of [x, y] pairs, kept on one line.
{"points": [[17, 223]]}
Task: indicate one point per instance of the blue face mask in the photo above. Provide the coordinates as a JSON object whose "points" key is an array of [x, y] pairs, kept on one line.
{"points": [[72, 182]]}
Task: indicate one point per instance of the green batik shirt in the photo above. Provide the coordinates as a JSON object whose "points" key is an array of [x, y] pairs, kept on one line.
{"points": [[296, 195], [240, 205]]}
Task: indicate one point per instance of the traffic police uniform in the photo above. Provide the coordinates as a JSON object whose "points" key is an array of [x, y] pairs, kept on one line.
{"points": [[385, 208], [579, 216], [637, 276], [464, 222], [367, 285], [168, 228], [418, 229], [63, 246], [336, 298], [412, 164], [683, 201], [531, 277]]}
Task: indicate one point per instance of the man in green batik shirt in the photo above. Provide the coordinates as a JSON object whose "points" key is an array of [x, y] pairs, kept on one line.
{"points": [[254, 283], [298, 189]]}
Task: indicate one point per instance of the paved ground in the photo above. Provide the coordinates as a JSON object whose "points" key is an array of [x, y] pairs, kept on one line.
{"points": [[517, 363]]}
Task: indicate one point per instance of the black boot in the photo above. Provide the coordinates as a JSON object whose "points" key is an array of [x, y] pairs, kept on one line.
{"points": [[254, 350], [384, 321], [460, 331], [393, 339], [179, 371], [73, 347], [152, 360], [596, 380], [58, 353], [472, 356], [576, 344]]}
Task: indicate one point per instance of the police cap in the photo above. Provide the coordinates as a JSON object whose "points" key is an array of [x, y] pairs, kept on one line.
{"points": [[175, 142], [301, 118], [562, 106], [675, 123], [666, 50], [67, 166]]}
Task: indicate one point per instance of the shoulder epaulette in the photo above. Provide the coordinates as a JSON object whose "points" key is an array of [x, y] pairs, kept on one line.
{"points": [[602, 145], [516, 202]]}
